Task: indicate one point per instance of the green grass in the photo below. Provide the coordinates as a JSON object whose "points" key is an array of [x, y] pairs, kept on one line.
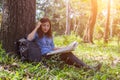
{"points": [[12, 68]]}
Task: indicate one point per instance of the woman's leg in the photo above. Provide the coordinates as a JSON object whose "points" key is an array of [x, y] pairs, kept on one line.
{"points": [[71, 59]]}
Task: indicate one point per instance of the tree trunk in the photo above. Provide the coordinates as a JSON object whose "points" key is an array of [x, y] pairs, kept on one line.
{"points": [[88, 35], [107, 29], [18, 20], [67, 31]]}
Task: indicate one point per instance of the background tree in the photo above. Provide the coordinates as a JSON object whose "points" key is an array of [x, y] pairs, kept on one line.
{"points": [[18, 20], [107, 29], [79, 14], [88, 35], [67, 31]]}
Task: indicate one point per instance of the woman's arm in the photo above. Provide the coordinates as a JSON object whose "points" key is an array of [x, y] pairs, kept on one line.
{"points": [[30, 37]]}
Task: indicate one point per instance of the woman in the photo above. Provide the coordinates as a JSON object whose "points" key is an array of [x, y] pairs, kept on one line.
{"points": [[42, 34]]}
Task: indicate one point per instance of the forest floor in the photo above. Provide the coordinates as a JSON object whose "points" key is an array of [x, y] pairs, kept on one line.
{"points": [[11, 68]]}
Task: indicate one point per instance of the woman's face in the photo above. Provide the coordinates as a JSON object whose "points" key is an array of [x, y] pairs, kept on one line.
{"points": [[45, 27]]}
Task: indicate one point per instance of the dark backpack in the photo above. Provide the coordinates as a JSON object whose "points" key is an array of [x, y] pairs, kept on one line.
{"points": [[28, 50]]}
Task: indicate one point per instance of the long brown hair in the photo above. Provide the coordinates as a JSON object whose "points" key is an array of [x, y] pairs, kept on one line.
{"points": [[40, 32]]}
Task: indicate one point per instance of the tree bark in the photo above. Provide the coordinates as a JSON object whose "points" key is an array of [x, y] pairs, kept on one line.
{"points": [[18, 20], [107, 29], [88, 35]]}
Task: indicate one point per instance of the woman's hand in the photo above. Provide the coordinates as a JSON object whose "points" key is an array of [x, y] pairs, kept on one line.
{"points": [[38, 25], [32, 34]]}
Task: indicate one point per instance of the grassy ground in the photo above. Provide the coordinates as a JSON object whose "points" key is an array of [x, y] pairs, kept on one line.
{"points": [[107, 54]]}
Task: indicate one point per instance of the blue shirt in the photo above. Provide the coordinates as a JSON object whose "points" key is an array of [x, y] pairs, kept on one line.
{"points": [[45, 43]]}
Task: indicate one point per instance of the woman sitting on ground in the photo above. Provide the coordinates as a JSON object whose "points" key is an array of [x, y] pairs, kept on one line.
{"points": [[42, 34]]}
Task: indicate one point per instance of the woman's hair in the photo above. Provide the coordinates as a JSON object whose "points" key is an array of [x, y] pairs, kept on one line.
{"points": [[40, 32]]}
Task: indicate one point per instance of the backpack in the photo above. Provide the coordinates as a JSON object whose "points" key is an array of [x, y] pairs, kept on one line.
{"points": [[28, 50]]}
